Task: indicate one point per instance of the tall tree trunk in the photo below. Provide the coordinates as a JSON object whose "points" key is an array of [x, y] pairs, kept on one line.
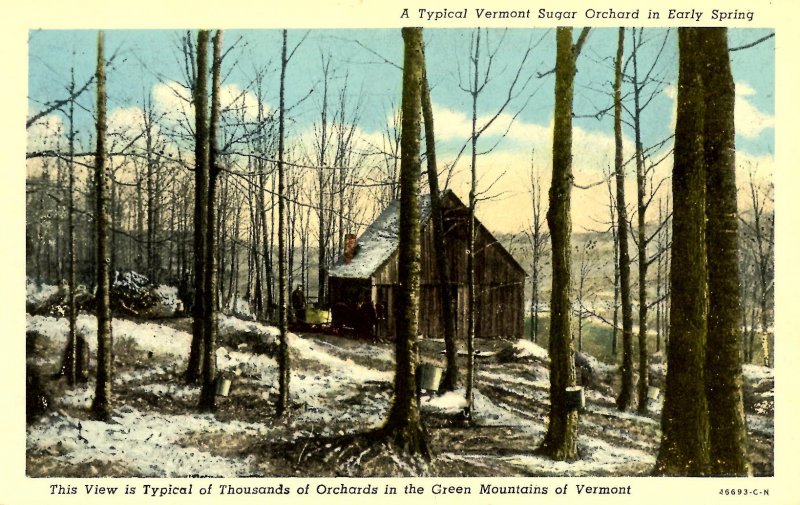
{"points": [[473, 188], [150, 192], [450, 381], [201, 181], [560, 441], [658, 281], [321, 211], [404, 425], [641, 210], [728, 432], [211, 295], [101, 407], [283, 347], [73, 365], [625, 398], [684, 446], [612, 211]]}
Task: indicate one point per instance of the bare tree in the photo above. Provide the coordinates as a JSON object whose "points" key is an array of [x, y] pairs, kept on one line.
{"points": [[760, 231], [587, 263], [560, 441], [201, 181], [283, 347], [210, 291], [101, 406], [537, 239], [442, 264], [478, 78], [403, 425], [625, 397]]}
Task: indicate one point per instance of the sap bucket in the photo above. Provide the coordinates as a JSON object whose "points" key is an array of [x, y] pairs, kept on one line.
{"points": [[429, 377], [223, 386], [575, 398]]}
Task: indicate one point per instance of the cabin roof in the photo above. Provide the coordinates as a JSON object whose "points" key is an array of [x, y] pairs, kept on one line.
{"points": [[378, 242], [381, 239]]}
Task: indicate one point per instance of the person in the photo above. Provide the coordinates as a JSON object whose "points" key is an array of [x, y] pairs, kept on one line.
{"points": [[299, 304], [366, 320]]}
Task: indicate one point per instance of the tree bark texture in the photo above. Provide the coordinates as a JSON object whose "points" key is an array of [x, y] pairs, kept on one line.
{"points": [[450, 380], [210, 294], [404, 425], [560, 441], [625, 398], [728, 431], [283, 346], [101, 407], [684, 446], [201, 181]]}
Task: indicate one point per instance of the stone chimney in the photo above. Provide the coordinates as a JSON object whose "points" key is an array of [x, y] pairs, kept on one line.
{"points": [[349, 248]]}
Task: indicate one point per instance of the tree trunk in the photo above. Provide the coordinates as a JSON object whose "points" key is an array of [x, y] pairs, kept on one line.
{"points": [[560, 441], [625, 398], [450, 381], [471, 302], [101, 407], [73, 365], [211, 295], [728, 432], [283, 347], [201, 178], [641, 210], [684, 446], [404, 425]]}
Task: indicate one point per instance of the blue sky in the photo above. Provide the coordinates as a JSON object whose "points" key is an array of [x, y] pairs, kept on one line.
{"points": [[150, 57]]}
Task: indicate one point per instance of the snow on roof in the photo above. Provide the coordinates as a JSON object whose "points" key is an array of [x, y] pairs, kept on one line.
{"points": [[378, 242]]}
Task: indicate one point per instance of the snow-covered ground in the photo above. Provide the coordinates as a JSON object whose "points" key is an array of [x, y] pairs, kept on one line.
{"points": [[338, 386]]}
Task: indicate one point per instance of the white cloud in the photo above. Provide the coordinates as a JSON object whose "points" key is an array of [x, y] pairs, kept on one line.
{"points": [[46, 133], [234, 98], [173, 100], [750, 121]]}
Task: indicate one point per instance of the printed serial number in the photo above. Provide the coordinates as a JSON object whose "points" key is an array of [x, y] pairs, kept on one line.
{"points": [[743, 492]]}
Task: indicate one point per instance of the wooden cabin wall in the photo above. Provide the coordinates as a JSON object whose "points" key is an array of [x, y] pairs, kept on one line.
{"points": [[500, 283]]}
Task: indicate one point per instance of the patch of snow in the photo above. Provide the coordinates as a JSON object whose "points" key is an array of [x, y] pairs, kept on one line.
{"points": [[228, 324], [595, 456], [363, 349], [596, 365], [658, 369], [756, 372], [242, 309], [309, 350], [256, 366], [172, 390], [525, 348], [485, 411], [761, 425], [161, 340], [131, 280], [495, 377], [147, 443], [449, 403], [168, 297], [36, 295], [613, 412]]}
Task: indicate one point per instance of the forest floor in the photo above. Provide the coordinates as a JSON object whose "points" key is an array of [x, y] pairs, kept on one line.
{"points": [[339, 386]]}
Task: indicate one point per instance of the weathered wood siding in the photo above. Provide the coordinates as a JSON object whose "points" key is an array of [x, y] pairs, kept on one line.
{"points": [[500, 282]]}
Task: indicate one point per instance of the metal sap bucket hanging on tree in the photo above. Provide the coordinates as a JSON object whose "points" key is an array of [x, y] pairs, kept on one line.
{"points": [[575, 398], [223, 386], [428, 377]]}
